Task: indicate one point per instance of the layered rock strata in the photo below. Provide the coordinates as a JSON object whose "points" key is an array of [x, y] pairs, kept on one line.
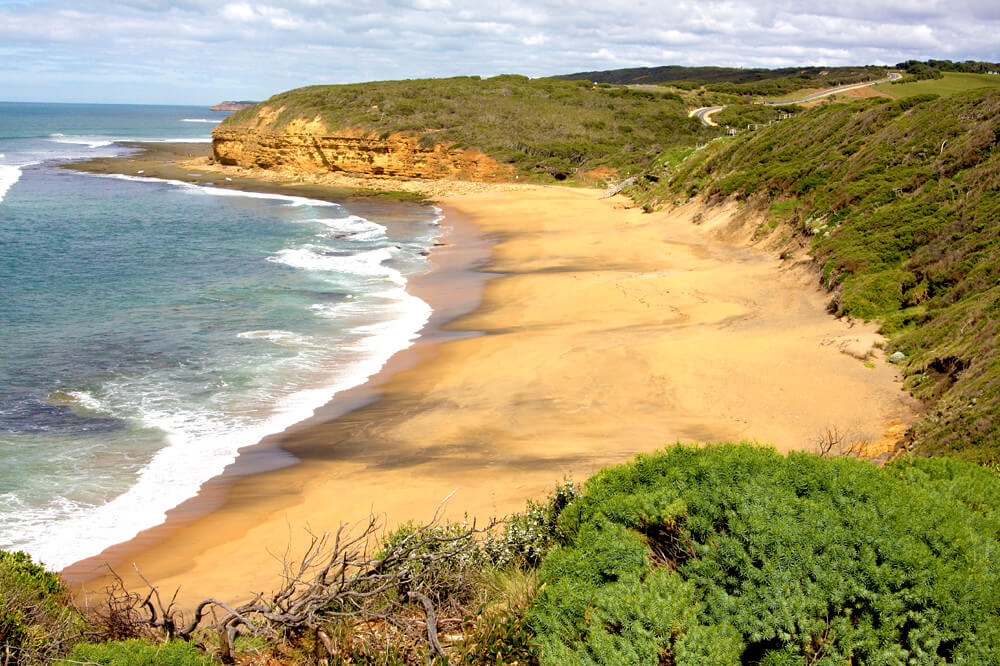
{"points": [[395, 156]]}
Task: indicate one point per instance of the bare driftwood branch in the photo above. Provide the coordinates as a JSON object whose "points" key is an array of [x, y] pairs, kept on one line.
{"points": [[348, 575], [432, 637]]}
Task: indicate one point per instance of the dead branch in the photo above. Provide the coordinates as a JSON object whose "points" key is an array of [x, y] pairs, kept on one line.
{"points": [[830, 441], [432, 637], [350, 576]]}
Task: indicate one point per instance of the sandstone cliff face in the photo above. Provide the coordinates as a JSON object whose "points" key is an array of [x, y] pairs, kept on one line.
{"points": [[309, 149]]}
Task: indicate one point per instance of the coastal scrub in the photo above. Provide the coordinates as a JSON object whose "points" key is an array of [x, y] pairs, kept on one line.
{"points": [[734, 554]]}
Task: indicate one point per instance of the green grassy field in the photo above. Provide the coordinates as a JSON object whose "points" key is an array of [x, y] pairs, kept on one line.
{"points": [[953, 82]]}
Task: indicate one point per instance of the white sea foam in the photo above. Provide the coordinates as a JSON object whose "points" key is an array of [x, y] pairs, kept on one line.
{"points": [[94, 142], [219, 191], [201, 442], [277, 336], [87, 400], [9, 174], [354, 227], [200, 120], [200, 446], [89, 141], [369, 263]]}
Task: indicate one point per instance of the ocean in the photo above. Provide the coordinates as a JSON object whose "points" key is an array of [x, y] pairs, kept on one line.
{"points": [[150, 329]]}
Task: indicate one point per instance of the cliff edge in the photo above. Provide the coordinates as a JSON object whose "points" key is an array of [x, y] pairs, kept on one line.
{"points": [[460, 128], [316, 149]]}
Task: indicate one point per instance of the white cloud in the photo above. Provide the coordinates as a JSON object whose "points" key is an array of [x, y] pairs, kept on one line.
{"points": [[238, 12], [102, 50]]}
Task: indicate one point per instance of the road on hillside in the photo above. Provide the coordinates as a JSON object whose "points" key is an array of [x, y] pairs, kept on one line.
{"points": [[704, 113], [893, 76]]}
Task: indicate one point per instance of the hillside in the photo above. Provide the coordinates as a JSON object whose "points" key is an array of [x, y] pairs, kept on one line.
{"points": [[544, 128], [734, 81], [230, 105], [948, 83], [898, 201]]}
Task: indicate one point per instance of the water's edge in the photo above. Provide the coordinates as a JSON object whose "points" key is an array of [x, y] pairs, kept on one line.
{"points": [[452, 287]]}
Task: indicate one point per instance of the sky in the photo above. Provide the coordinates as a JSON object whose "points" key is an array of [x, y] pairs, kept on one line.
{"points": [[205, 51]]}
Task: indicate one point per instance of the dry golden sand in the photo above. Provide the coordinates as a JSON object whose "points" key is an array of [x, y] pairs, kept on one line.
{"points": [[610, 332]]}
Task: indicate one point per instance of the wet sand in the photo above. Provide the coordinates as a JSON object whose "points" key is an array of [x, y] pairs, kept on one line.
{"points": [[609, 332]]}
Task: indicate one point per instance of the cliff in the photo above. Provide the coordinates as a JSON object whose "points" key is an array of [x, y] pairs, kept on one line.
{"points": [[543, 129], [311, 149]]}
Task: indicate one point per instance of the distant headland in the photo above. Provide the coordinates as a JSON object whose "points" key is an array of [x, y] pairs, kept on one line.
{"points": [[231, 106]]}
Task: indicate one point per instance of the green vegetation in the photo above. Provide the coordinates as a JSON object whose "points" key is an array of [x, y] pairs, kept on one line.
{"points": [[726, 554], [900, 199], [737, 555], [741, 115], [932, 69], [135, 652], [947, 83], [734, 81], [36, 622], [542, 127]]}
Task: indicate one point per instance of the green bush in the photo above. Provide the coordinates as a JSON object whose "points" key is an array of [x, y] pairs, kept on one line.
{"points": [[735, 554], [135, 652], [37, 622], [529, 535]]}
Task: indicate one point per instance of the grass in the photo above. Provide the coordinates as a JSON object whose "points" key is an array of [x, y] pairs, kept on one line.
{"points": [[949, 84], [547, 128], [900, 200]]}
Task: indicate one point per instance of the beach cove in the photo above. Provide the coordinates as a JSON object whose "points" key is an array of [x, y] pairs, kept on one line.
{"points": [[600, 332]]}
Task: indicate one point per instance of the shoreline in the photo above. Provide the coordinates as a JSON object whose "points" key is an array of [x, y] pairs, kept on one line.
{"points": [[610, 333], [452, 286]]}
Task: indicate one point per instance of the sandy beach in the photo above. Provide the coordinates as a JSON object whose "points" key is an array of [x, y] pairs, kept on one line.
{"points": [[600, 332]]}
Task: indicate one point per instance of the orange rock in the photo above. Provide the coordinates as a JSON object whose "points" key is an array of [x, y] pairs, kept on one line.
{"points": [[395, 156]]}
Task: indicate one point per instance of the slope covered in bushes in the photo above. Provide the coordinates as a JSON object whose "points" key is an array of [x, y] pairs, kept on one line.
{"points": [[726, 554], [737, 81], [737, 555], [901, 200], [540, 126]]}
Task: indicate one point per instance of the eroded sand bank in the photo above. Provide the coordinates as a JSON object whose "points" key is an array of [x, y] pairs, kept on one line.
{"points": [[610, 332]]}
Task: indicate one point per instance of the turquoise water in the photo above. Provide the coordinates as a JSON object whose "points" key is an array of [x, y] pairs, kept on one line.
{"points": [[150, 329]]}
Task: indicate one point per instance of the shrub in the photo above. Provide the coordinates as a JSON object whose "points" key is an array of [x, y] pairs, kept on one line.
{"points": [[529, 535], [429, 570], [736, 554], [36, 621]]}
